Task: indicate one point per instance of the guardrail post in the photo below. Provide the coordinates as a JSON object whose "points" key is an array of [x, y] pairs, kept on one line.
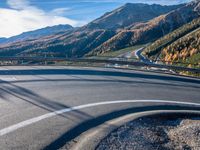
{"points": [[45, 56]]}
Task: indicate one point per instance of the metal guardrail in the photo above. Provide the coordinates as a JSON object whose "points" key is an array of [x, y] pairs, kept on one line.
{"points": [[107, 61]]}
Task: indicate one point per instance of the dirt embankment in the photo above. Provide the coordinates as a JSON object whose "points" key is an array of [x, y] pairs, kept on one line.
{"points": [[158, 133]]}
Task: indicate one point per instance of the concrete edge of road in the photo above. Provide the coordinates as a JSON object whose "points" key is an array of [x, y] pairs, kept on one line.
{"points": [[90, 139]]}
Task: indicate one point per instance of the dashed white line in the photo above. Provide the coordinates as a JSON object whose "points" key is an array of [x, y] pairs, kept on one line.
{"points": [[25, 123]]}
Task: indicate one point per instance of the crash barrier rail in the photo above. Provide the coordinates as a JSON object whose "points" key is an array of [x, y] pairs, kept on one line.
{"points": [[119, 61]]}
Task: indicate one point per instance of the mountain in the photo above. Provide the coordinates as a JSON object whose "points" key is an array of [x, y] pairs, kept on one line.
{"points": [[2, 40], [142, 33], [31, 35], [128, 25], [129, 14]]}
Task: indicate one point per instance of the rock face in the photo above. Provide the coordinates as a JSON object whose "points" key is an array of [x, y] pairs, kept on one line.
{"points": [[126, 26]]}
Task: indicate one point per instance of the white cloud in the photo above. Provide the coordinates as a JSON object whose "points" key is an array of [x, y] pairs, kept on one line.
{"points": [[60, 11], [18, 4], [21, 17]]}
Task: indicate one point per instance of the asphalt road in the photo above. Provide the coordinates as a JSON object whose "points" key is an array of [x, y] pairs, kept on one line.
{"points": [[30, 95], [138, 54]]}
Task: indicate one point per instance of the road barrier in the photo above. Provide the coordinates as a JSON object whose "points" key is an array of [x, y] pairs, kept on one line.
{"points": [[105, 61]]}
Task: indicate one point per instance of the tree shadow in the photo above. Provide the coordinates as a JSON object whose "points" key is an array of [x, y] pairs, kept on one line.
{"points": [[33, 98]]}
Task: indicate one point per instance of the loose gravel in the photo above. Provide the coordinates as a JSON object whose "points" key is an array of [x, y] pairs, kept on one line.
{"points": [[163, 132]]}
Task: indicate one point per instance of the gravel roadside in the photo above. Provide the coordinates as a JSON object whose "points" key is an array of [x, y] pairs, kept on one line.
{"points": [[166, 132]]}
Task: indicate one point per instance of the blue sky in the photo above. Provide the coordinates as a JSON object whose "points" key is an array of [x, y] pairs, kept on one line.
{"points": [[17, 16]]}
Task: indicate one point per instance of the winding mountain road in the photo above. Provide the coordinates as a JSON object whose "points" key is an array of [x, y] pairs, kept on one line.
{"points": [[138, 54], [43, 107]]}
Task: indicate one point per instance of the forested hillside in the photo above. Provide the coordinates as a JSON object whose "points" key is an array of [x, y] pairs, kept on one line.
{"points": [[185, 50], [181, 47], [156, 47]]}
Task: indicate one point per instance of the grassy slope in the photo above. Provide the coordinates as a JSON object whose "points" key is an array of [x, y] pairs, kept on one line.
{"points": [[116, 53]]}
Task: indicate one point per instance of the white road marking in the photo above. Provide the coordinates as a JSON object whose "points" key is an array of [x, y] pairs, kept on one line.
{"points": [[8, 78], [136, 53], [25, 123]]}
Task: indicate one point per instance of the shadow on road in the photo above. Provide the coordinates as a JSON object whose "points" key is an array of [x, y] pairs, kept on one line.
{"points": [[9, 89], [107, 80], [97, 73]]}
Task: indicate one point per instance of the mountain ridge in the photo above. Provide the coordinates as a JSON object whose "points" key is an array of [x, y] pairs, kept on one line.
{"points": [[142, 12], [30, 35], [93, 38]]}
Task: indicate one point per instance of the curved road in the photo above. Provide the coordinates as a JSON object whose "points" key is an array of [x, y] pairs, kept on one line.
{"points": [[138, 54], [44, 107]]}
